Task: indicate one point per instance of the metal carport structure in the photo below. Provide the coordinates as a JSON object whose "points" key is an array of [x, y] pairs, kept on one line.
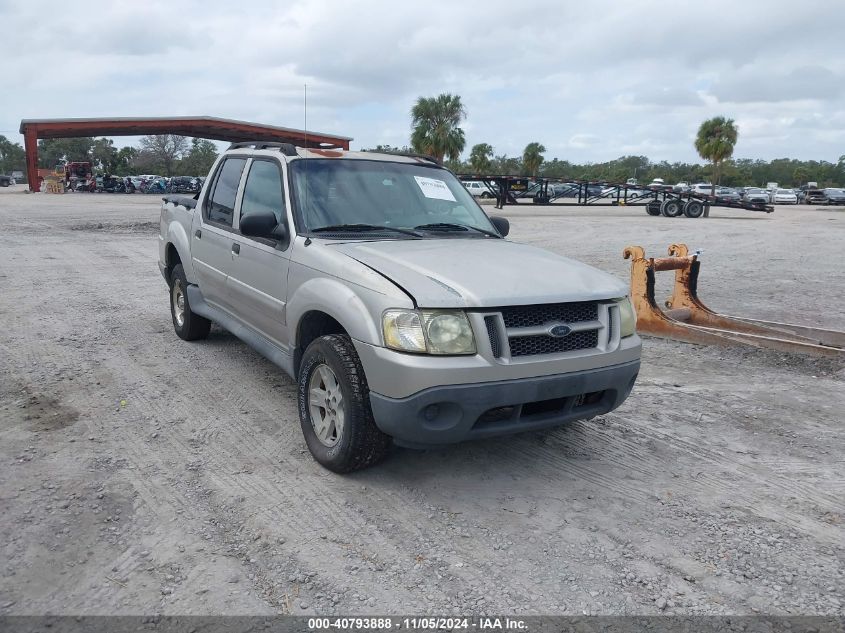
{"points": [[198, 126]]}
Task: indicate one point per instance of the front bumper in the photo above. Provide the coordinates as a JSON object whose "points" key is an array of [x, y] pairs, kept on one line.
{"points": [[453, 413]]}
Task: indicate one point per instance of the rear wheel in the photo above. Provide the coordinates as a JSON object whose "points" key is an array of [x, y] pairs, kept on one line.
{"points": [[671, 208], [653, 207], [334, 407], [188, 325], [693, 209]]}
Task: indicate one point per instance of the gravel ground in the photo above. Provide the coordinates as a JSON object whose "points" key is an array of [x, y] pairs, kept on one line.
{"points": [[141, 474]]}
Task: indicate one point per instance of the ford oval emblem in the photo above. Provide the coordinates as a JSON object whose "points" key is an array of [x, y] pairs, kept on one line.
{"points": [[559, 331]]}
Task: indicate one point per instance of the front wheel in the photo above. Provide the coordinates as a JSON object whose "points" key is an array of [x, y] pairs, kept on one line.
{"points": [[334, 407]]}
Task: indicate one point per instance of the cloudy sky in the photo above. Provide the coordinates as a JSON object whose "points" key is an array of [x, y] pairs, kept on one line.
{"points": [[590, 80]]}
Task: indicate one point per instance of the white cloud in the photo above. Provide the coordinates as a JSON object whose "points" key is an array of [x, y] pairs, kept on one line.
{"points": [[591, 81]]}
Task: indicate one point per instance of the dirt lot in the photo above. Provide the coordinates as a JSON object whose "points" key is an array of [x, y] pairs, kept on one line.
{"points": [[143, 474]]}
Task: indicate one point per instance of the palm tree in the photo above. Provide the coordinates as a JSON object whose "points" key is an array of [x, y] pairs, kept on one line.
{"points": [[532, 158], [479, 158], [715, 142], [435, 121]]}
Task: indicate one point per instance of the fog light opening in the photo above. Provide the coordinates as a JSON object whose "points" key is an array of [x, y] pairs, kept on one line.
{"points": [[431, 412]]}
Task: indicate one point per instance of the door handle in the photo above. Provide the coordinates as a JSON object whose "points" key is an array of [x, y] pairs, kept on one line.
{"points": [[198, 234], [236, 248]]}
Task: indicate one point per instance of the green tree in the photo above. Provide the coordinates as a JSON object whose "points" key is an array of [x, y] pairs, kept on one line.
{"points": [[715, 142], [435, 122], [164, 150], [800, 176], [123, 161], [52, 151], [532, 158], [104, 155], [12, 156], [199, 158], [504, 166], [479, 158]]}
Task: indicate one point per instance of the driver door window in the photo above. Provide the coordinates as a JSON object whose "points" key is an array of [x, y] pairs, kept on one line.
{"points": [[263, 190]]}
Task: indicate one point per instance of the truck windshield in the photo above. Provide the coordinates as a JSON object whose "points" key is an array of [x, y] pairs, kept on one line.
{"points": [[344, 193]]}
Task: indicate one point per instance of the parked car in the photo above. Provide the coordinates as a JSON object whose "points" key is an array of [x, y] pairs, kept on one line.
{"points": [[564, 189], [182, 184], [756, 195], [784, 196], [815, 196], [681, 187], [6, 181], [702, 188], [394, 301], [726, 194], [835, 196], [479, 189]]}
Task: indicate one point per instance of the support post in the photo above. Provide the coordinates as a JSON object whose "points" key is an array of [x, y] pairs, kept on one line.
{"points": [[30, 138]]}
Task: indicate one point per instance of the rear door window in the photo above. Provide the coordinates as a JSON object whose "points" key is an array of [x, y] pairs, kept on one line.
{"points": [[221, 205]]}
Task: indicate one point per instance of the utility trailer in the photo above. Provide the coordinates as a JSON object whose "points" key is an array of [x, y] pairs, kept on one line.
{"points": [[656, 199]]}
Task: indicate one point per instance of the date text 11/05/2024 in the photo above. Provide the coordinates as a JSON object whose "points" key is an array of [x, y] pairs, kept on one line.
{"points": [[422, 623]]}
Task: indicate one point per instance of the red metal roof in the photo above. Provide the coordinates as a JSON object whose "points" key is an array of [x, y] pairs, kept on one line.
{"points": [[200, 126]]}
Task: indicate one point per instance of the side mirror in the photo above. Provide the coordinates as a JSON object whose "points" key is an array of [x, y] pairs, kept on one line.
{"points": [[262, 224], [502, 225]]}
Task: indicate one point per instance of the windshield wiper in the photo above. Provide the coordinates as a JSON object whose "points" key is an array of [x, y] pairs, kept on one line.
{"points": [[448, 226], [362, 228]]}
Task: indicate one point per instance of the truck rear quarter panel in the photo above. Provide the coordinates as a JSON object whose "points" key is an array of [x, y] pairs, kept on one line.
{"points": [[176, 226]]}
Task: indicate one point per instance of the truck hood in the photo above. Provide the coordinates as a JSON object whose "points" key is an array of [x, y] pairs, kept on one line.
{"points": [[482, 273]]}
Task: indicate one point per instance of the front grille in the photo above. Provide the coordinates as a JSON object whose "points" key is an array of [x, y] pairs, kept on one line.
{"points": [[530, 316], [493, 335], [531, 345]]}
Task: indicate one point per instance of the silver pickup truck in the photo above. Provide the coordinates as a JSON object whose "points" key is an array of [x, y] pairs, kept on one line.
{"points": [[380, 285]]}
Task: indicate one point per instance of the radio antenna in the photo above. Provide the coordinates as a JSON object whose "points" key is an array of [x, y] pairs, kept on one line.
{"points": [[305, 129]]}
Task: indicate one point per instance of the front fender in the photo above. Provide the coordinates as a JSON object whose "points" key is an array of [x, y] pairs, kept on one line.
{"points": [[353, 309]]}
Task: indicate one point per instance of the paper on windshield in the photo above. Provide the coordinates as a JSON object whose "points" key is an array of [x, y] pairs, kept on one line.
{"points": [[433, 188]]}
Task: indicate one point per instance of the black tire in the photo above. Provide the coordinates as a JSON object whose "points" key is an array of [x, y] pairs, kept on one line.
{"points": [[193, 327], [486, 194], [653, 207], [671, 208], [693, 209], [360, 443]]}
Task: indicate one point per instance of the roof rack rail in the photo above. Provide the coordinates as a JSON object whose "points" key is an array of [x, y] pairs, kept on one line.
{"points": [[288, 149], [427, 157]]}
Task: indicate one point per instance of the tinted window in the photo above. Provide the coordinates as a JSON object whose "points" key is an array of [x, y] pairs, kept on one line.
{"points": [[221, 208], [263, 190]]}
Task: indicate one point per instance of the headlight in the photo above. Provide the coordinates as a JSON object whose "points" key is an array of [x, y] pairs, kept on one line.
{"points": [[403, 331], [431, 331], [448, 333], [627, 317]]}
